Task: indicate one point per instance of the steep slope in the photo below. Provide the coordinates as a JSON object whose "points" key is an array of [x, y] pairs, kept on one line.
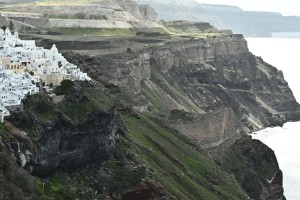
{"points": [[209, 90], [256, 169], [199, 76], [176, 98], [81, 14], [67, 134], [147, 161], [15, 182], [165, 117]]}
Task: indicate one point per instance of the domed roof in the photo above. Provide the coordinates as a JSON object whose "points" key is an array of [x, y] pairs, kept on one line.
{"points": [[7, 31], [54, 48]]}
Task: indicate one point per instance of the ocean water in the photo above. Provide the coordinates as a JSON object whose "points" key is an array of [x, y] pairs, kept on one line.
{"points": [[284, 54]]}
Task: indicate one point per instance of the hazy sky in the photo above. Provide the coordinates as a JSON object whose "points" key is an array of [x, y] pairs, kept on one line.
{"points": [[283, 6]]}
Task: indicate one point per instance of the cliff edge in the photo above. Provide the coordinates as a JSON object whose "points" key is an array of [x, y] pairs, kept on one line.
{"points": [[80, 14], [211, 90], [165, 117]]}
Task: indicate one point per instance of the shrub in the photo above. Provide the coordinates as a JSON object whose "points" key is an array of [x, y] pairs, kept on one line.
{"points": [[64, 88]]}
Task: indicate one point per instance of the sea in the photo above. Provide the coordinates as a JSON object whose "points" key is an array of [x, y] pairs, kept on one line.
{"points": [[282, 50]]}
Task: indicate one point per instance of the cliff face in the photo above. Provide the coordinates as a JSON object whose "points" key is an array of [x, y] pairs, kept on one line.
{"points": [[68, 145], [212, 130], [183, 101], [141, 12], [200, 76], [53, 137], [256, 169], [212, 91], [79, 148], [88, 14], [249, 23], [15, 182]]}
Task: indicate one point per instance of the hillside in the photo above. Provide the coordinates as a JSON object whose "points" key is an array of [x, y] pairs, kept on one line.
{"points": [[165, 117], [227, 17], [80, 14], [160, 110]]}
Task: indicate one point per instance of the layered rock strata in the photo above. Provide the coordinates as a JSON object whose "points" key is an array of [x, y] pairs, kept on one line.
{"points": [[212, 90]]}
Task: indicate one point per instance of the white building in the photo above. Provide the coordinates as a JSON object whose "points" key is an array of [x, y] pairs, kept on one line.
{"points": [[23, 55], [21, 58], [14, 88], [3, 113]]}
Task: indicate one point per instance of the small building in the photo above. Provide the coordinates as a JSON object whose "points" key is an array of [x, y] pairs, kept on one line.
{"points": [[3, 113]]}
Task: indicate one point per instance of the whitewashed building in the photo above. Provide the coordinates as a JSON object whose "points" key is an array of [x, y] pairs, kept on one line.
{"points": [[14, 88], [23, 65], [48, 64]]}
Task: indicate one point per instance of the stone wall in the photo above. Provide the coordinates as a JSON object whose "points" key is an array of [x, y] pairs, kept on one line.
{"points": [[55, 80], [212, 130]]}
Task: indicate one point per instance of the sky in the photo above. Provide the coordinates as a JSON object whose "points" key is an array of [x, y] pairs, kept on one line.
{"points": [[286, 7]]}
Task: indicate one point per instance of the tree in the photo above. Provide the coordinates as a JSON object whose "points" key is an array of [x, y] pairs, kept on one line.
{"points": [[11, 26], [65, 87]]}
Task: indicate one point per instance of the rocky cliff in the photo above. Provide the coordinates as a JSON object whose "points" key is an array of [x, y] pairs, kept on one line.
{"points": [[50, 136], [249, 23], [211, 90], [165, 117], [256, 169], [15, 182], [79, 148], [79, 14], [200, 76]]}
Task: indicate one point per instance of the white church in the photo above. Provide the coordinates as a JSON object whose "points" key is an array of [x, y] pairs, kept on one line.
{"points": [[23, 65]]}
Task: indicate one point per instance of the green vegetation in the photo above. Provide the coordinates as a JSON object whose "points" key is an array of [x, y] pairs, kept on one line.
{"points": [[64, 3], [187, 29], [150, 152], [81, 101], [5, 131], [94, 31], [151, 32], [78, 103], [182, 169], [93, 182], [76, 16], [125, 176], [11, 26], [57, 187], [257, 163], [176, 98], [64, 88], [155, 98], [77, 111]]}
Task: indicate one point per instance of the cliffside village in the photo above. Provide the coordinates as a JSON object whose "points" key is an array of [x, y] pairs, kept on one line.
{"points": [[23, 66]]}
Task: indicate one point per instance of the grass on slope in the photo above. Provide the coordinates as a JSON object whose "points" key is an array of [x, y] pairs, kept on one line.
{"points": [[156, 33], [165, 95], [94, 31], [64, 3], [182, 169]]}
